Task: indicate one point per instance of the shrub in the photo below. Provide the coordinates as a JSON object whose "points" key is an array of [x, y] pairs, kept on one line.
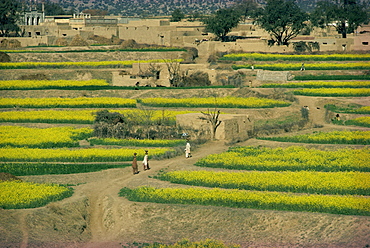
{"points": [[197, 78], [4, 57]]}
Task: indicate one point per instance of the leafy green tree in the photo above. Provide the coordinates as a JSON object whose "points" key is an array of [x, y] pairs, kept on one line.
{"points": [[177, 15], [52, 9], [346, 15], [222, 22], [282, 19], [194, 16], [8, 17], [246, 8]]}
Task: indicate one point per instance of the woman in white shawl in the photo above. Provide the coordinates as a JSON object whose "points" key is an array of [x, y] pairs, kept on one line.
{"points": [[187, 150], [146, 161]]}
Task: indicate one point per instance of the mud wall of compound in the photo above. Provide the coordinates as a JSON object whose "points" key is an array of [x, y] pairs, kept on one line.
{"points": [[91, 56]]}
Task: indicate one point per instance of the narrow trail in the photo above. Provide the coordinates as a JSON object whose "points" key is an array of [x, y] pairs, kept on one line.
{"points": [[107, 208], [316, 109], [23, 225]]}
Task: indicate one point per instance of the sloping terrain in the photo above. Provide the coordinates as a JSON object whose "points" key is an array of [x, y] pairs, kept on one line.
{"points": [[95, 216]]}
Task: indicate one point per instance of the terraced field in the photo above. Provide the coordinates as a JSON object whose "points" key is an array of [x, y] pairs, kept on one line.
{"points": [[282, 189]]}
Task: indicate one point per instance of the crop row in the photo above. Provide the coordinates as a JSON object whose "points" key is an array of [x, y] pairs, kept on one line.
{"points": [[85, 116], [38, 168], [310, 77], [137, 142], [17, 194], [320, 84], [84, 64], [293, 158], [115, 102], [224, 102], [80, 102], [334, 92], [9, 154], [16, 136], [360, 121], [290, 57], [45, 84], [350, 205], [308, 66], [342, 183], [334, 137], [350, 109]]}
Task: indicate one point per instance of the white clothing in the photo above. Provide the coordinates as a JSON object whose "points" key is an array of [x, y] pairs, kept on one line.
{"points": [[187, 150]]}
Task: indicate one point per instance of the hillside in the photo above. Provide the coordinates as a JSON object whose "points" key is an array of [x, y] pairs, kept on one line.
{"points": [[160, 7], [96, 216]]}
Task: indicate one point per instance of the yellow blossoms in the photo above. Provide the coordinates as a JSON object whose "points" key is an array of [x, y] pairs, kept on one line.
{"points": [[79, 102], [29, 84], [16, 136], [17, 194], [222, 102]]}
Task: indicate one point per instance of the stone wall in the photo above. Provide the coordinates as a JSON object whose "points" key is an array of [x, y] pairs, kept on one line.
{"points": [[233, 127], [273, 75]]}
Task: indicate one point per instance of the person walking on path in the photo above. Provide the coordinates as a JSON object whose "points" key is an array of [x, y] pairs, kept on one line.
{"points": [[135, 168], [187, 150], [146, 161]]}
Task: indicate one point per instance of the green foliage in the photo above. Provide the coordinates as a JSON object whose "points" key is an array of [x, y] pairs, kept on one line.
{"points": [[4, 57], [335, 137], [9, 17], [331, 77], [305, 113], [350, 108], [137, 142], [319, 84], [293, 158], [337, 204], [52, 9], [27, 169], [303, 46], [346, 15], [246, 8], [104, 116], [282, 19], [222, 22], [196, 79], [342, 183], [177, 15]]}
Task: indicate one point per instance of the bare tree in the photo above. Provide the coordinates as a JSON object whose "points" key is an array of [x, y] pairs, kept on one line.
{"points": [[145, 116], [173, 68], [212, 117], [152, 70]]}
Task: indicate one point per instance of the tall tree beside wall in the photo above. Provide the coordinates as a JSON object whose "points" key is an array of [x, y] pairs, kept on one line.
{"points": [[222, 22], [177, 15], [246, 8], [9, 15], [52, 9], [346, 15], [282, 19]]}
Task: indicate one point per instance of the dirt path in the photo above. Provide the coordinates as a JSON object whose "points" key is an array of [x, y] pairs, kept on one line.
{"points": [[107, 209]]}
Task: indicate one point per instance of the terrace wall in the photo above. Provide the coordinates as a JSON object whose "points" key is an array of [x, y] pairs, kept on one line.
{"points": [[233, 126]]}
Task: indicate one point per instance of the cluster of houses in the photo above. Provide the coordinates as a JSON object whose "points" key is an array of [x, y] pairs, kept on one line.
{"points": [[40, 29]]}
